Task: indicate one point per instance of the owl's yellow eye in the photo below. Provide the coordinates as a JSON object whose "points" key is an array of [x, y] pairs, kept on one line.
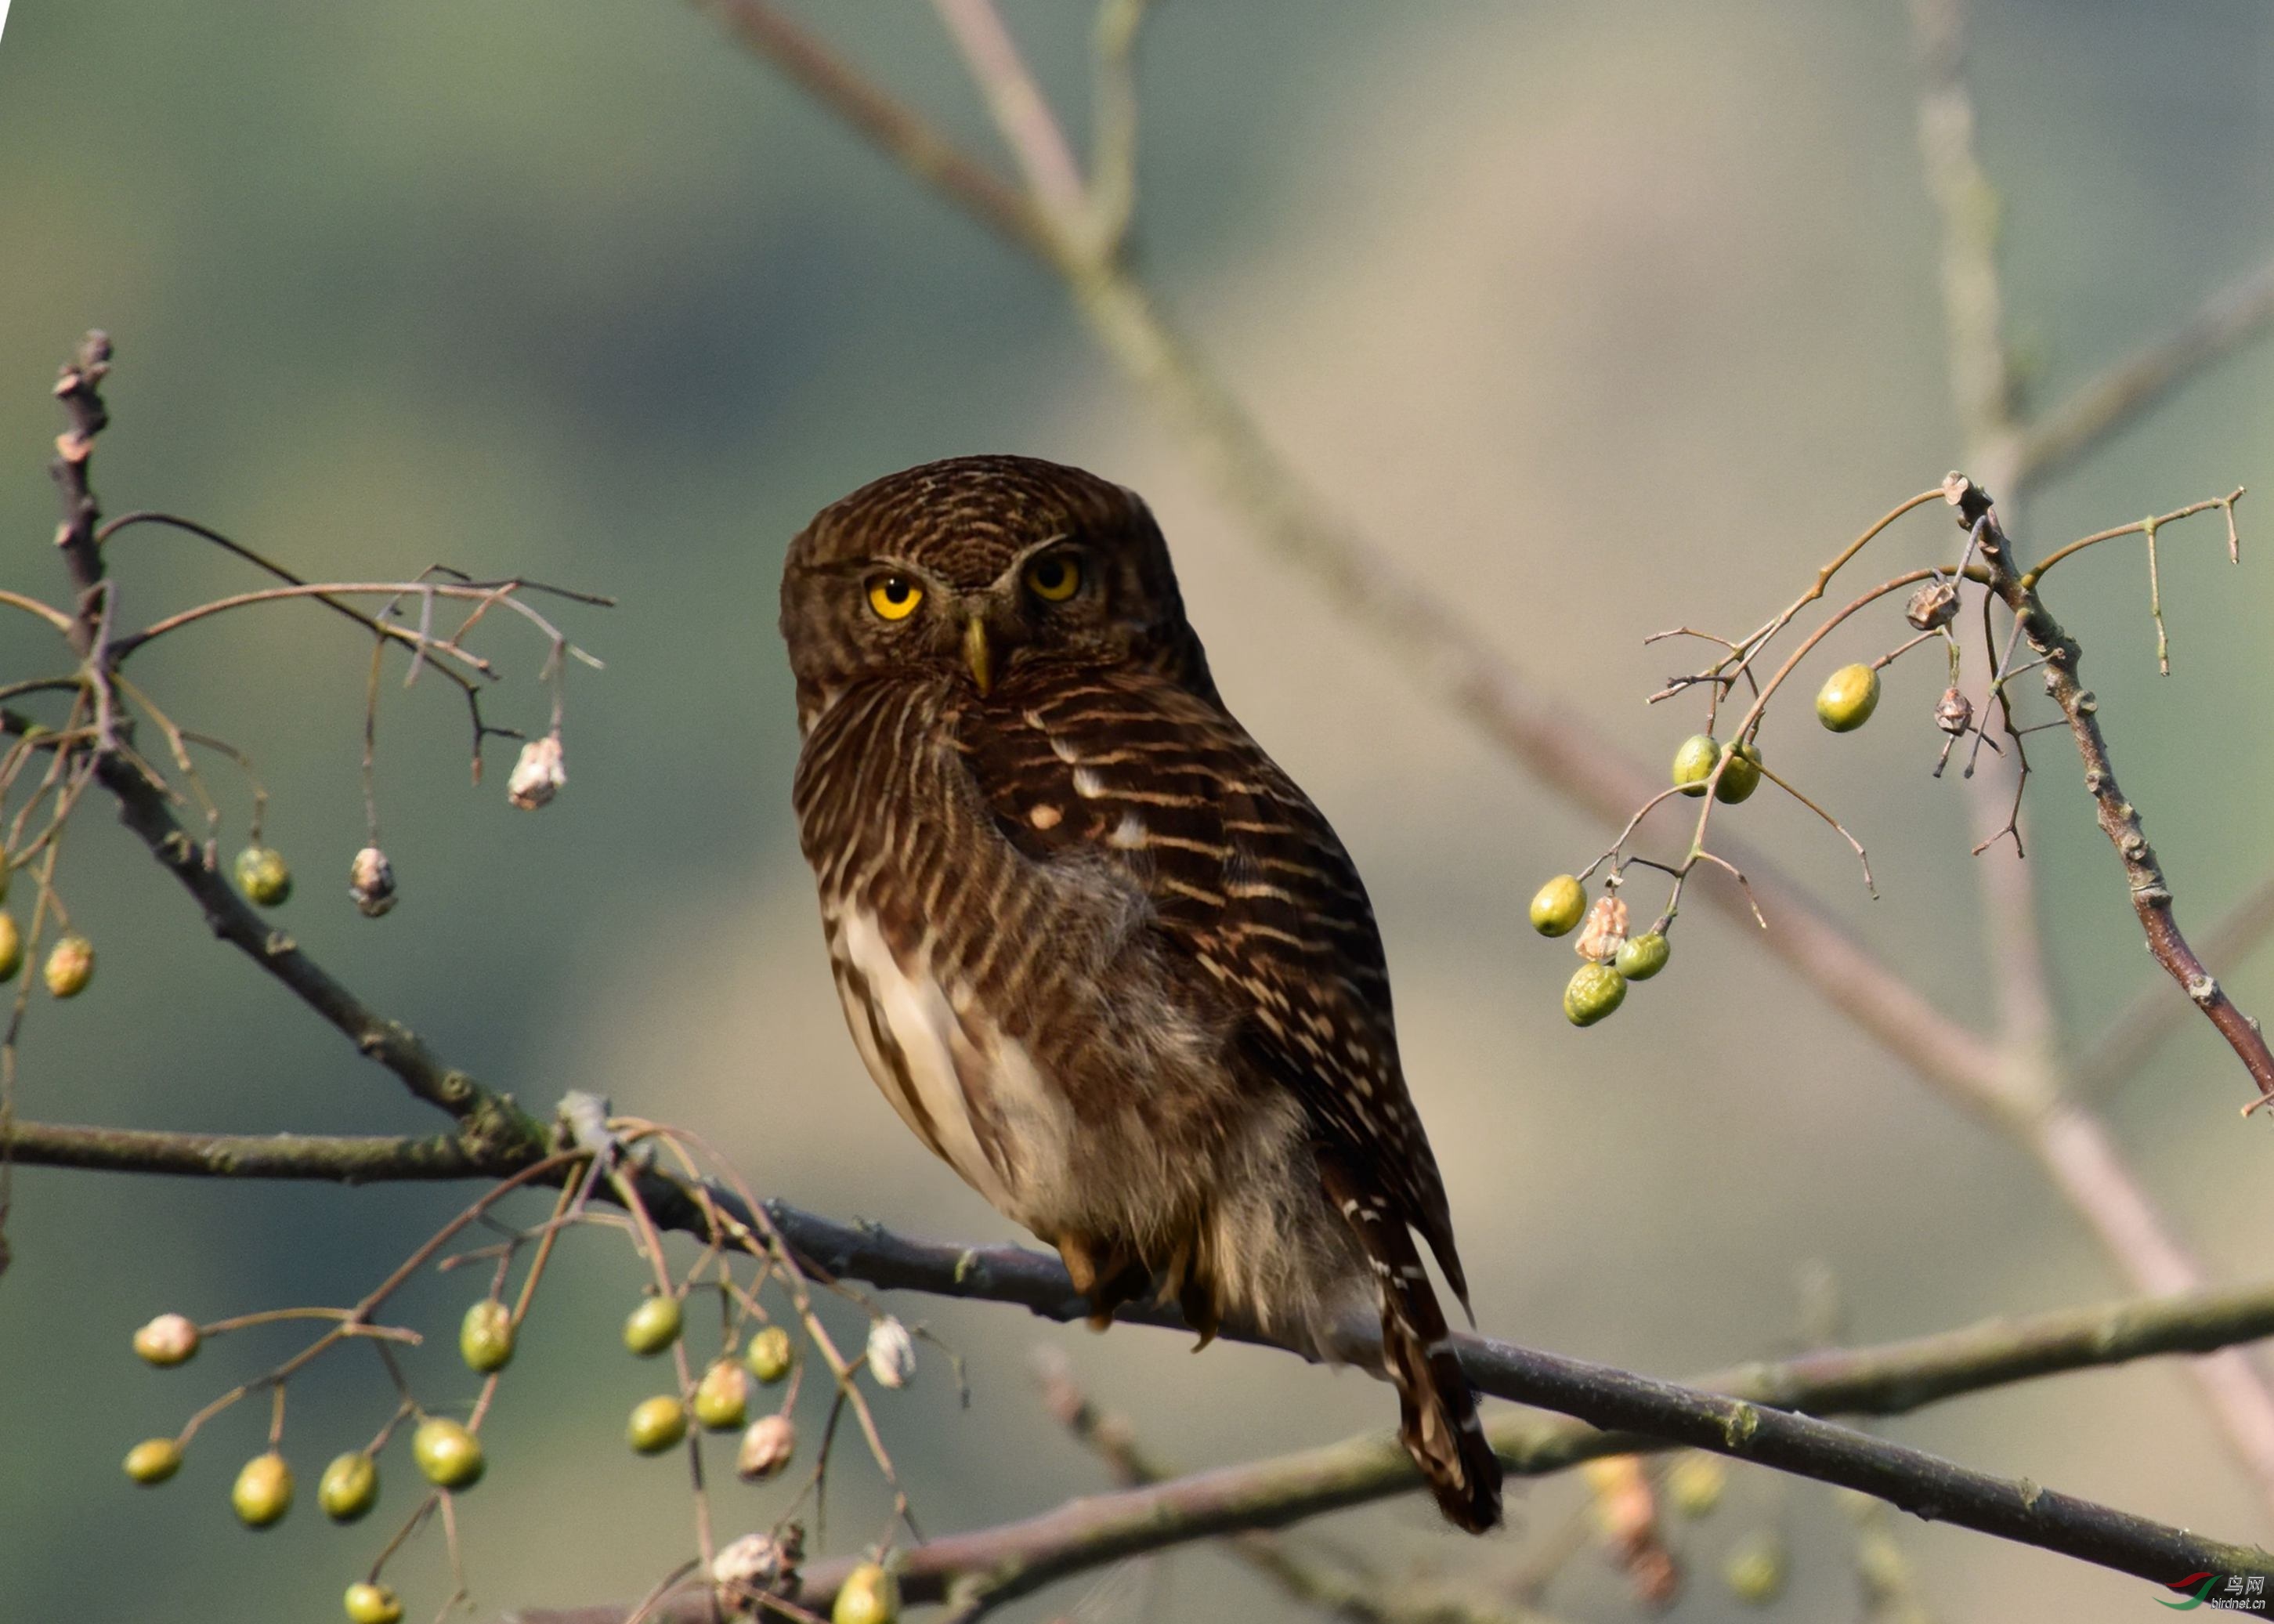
{"points": [[1054, 579], [894, 597]]}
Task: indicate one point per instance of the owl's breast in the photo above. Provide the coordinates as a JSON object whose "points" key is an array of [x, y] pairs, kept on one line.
{"points": [[966, 1087]]}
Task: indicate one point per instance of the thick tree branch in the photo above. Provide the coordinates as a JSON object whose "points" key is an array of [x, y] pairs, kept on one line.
{"points": [[998, 1564]]}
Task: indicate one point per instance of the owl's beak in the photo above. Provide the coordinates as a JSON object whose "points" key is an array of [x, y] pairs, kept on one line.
{"points": [[978, 655]]}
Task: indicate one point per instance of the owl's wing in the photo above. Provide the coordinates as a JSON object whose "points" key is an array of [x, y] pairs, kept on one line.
{"points": [[1249, 886]]}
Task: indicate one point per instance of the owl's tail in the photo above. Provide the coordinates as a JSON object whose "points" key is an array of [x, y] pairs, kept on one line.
{"points": [[1437, 1422]]}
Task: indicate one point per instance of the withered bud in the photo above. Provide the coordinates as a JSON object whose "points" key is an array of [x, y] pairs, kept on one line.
{"points": [[538, 776], [757, 1564], [767, 1448], [1605, 932], [1934, 605], [892, 1354], [371, 881], [1955, 713]]}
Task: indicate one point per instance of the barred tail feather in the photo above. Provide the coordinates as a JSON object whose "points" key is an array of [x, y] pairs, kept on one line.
{"points": [[1438, 1422]]}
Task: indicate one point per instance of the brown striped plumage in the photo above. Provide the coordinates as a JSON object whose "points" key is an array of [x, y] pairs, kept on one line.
{"points": [[1099, 953]]}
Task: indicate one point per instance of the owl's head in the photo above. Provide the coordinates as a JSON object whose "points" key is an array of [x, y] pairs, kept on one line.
{"points": [[986, 570]]}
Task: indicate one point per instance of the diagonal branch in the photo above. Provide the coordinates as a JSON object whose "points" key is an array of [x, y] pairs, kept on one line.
{"points": [[2154, 1015], [2222, 323]]}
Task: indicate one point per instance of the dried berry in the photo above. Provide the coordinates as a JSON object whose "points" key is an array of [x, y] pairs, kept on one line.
{"points": [[1935, 604], [722, 1398], [892, 1354], [1595, 990], [372, 1603], [1847, 698], [263, 875], [153, 1460], [1605, 931], [869, 1595], [448, 1455], [263, 1491], [656, 1424], [758, 1564], [485, 1336], [1643, 956], [771, 1355], [538, 776], [371, 881], [12, 946], [168, 1341], [652, 1327], [766, 1448], [71, 966], [1955, 713]]}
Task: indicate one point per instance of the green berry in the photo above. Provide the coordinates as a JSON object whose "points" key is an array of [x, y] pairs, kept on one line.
{"points": [[485, 1336], [1756, 1569], [770, 1355], [1847, 698], [1559, 905], [11, 948], [1693, 763], [1594, 991], [1643, 956], [168, 1341], [263, 1491], [153, 1460], [448, 1454], [264, 876], [722, 1398], [1741, 776], [869, 1595], [71, 966], [656, 1424], [349, 1487], [373, 1604], [652, 1327], [1694, 1483]]}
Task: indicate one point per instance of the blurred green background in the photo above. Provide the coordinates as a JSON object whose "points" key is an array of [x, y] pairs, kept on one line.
{"points": [[1605, 318]]}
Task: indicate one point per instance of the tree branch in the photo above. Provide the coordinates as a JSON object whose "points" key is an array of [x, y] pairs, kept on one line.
{"points": [[2153, 1014], [345, 1158], [2119, 818], [2229, 319]]}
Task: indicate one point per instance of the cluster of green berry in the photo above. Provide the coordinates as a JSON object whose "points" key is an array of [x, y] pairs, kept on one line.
{"points": [[1611, 957]]}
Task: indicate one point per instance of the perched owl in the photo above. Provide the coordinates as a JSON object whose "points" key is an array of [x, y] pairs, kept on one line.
{"points": [[1099, 952]]}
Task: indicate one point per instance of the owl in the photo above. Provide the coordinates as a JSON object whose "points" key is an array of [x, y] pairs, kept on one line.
{"points": [[1099, 952]]}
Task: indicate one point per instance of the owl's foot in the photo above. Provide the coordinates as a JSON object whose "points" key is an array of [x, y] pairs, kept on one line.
{"points": [[1107, 1272]]}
